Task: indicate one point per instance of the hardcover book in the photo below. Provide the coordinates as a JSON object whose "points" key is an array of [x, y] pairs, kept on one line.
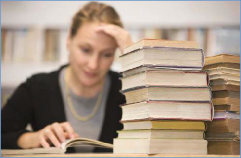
{"points": [[160, 146], [164, 125], [161, 134], [158, 110], [152, 43], [165, 77], [190, 94], [164, 57], [222, 58]]}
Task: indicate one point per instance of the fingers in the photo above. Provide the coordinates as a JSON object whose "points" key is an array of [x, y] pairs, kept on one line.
{"points": [[58, 131], [44, 143], [56, 134], [112, 30], [76, 135], [69, 129], [121, 36], [49, 134]]}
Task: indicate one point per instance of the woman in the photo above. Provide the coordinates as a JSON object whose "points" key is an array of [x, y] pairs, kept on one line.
{"points": [[80, 99]]}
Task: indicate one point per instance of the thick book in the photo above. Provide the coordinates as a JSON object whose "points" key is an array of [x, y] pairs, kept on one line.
{"points": [[165, 77], [164, 125], [222, 58], [161, 134], [226, 76], [221, 71], [157, 110], [222, 115], [157, 93], [141, 69], [222, 66], [77, 142], [224, 147], [152, 43], [226, 87], [224, 94], [224, 121], [227, 101], [164, 57], [227, 107], [160, 146], [231, 136], [221, 82]]}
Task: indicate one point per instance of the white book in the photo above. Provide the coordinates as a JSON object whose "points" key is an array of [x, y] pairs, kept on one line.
{"points": [[163, 110], [160, 146]]}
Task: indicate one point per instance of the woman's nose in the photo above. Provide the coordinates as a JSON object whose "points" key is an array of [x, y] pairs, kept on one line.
{"points": [[93, 62]]}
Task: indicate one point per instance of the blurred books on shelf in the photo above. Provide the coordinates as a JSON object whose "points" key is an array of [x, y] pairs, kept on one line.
{"points": [[52, 45], [20, 45], [221, 40], [24, 45], [31, 44], [213, 40]]}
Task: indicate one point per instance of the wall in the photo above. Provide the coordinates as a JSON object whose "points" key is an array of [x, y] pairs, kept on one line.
{"points": [[134, 14]]}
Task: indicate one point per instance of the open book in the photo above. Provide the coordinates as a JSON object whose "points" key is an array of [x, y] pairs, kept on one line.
{"points": [[54, 150]]}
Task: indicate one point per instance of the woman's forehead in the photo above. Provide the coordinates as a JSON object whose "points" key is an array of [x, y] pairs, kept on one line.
{"points": [[88, 34]]}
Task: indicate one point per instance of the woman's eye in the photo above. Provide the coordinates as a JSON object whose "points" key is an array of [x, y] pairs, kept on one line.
{"points": [[85, 50], [108, 55]]}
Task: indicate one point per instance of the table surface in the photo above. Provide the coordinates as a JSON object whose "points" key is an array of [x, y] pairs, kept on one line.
{"points": [[113, 155]]}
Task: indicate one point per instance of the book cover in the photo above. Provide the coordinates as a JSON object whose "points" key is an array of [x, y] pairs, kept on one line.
{"points": [[151, 43]]}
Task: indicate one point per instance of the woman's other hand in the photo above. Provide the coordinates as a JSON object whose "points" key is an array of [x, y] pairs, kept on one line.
{"points": [[55, 134], [121, 36]]}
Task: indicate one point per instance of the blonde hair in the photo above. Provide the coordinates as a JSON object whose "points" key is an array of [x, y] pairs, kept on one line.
{"points": [[94, 12]]}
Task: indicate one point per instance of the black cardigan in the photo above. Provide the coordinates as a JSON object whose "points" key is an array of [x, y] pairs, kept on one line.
{"points": [[39, 101]]}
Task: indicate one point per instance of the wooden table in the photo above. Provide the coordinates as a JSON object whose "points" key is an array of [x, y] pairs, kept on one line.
{"points": [[114, 155]]}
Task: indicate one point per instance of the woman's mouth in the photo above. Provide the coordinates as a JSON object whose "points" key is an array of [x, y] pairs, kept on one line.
{"points": [[90, 74]]}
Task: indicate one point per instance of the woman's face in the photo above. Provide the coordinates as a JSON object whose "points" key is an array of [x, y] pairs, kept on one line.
{"points": [[91, 54]]}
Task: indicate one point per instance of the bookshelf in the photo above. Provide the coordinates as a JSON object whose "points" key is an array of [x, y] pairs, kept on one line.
{"points": [[29, 49]]}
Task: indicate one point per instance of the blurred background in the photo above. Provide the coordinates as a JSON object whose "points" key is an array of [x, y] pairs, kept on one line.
{"points": [[33, 34]]}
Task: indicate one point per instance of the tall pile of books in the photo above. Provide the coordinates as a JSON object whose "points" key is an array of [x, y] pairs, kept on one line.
{"points": [[167, 99], [223, 133]]}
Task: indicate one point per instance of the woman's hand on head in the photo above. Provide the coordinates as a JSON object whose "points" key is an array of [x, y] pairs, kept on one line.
{"points": [[121, 36], [55, 134]]}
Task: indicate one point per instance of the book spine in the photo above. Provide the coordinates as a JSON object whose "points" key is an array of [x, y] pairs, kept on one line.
{"points": [[203, 58], [163, 118], [208, 81], [212, 111]]}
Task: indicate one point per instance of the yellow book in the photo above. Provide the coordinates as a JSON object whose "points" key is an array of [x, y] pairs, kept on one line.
{"points": [[165, 125]]}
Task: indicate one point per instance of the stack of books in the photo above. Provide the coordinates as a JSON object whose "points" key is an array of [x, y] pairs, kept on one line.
{"points": [[223, 134], [167, 99]]}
